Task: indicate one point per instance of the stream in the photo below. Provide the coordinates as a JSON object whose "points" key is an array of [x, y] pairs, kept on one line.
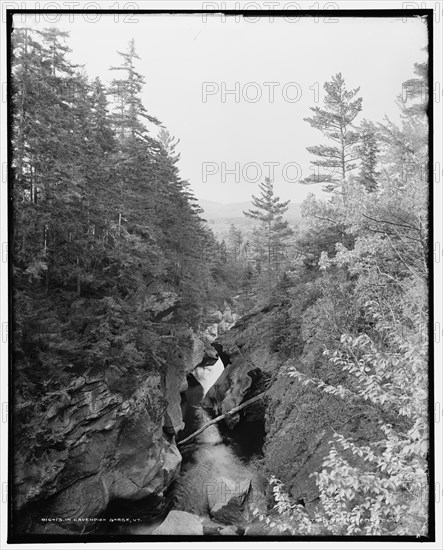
{"points": [[210, 458]]}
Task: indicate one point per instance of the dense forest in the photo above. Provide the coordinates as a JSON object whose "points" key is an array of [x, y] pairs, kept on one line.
{"points": [[100, 215], [105, 230]]}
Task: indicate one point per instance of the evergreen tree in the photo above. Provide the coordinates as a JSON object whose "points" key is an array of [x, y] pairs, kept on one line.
{"points": [[126, 92], [335, 121], [235, 240], [98, 218], [169, 144], [273, 230], [368, 150]]}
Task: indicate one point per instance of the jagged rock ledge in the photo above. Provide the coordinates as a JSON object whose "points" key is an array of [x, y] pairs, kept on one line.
{"points": [[105, 446], [248, 364]]}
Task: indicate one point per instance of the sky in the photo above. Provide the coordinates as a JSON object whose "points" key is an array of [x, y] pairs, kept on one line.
{"points": [[235, 91]]}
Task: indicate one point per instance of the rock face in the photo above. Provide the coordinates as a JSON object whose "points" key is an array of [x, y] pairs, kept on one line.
{"points": [[226, 499], [201, 352], [109, 435], [180, 523], [246, 346], [297, 417], [196, 351], [299, 424], [106, 445]]}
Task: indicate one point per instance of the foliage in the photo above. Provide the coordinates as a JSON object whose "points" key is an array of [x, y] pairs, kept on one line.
{"points": [[287, 517], [368, 150], [111, 258], [104, 226], [270, 238], [335, 121], [358, 323]]}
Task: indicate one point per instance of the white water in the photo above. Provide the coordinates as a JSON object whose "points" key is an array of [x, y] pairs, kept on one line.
{"points": [[207, 376], [213, 461]]}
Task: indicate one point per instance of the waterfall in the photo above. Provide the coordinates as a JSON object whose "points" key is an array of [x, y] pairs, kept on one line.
{"points": [[209, 459], [207, 376]]}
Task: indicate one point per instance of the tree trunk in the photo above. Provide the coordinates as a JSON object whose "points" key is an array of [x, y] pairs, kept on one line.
{"points": [[221, 417]]}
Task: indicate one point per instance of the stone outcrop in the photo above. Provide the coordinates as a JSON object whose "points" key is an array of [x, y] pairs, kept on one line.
{"points": [[226, 500], [107, 436], [180, 523], [195, 350], [297, 418], [103, 445], [249, 361], [220, 321], [201, 352]]}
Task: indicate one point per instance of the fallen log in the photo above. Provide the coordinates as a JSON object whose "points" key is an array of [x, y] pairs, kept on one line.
{"points": [[218, 418]]}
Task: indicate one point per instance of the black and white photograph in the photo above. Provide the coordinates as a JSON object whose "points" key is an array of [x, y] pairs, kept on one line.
{"points": [[221, 240]]}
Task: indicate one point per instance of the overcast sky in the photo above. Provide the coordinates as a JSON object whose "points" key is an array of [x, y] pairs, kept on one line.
{"points": [[228, 141]]}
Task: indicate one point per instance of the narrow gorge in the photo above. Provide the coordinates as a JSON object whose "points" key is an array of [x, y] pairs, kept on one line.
{"points": [[182, 367], [119, 461], [113, 457]]}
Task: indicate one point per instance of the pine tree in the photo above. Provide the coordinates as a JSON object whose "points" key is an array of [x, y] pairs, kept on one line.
{"points": [[169, 144], [47, 146], [335, 121], [97, 219], [273, 230], [235, 240], [135, 225], [368, 150], [126, 92]]}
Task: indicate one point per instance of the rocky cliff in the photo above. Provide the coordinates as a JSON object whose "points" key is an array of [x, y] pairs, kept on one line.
{"points": [[108, 436], [105, 445], [248, 363], [298, 419]]}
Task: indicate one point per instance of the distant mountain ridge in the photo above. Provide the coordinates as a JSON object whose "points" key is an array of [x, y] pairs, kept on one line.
{"points": [[218, 211]]}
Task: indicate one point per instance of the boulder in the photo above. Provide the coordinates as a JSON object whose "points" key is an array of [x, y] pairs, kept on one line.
{"points": [[226, 499], [222, 328], [216, 315], [228, 531], [227, 315], [175, 382], [210, 527], [197, 350], [180, 523]]}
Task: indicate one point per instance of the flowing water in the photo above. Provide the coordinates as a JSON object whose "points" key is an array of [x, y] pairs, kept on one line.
{"points": [[208, 459], [207, 376]]}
